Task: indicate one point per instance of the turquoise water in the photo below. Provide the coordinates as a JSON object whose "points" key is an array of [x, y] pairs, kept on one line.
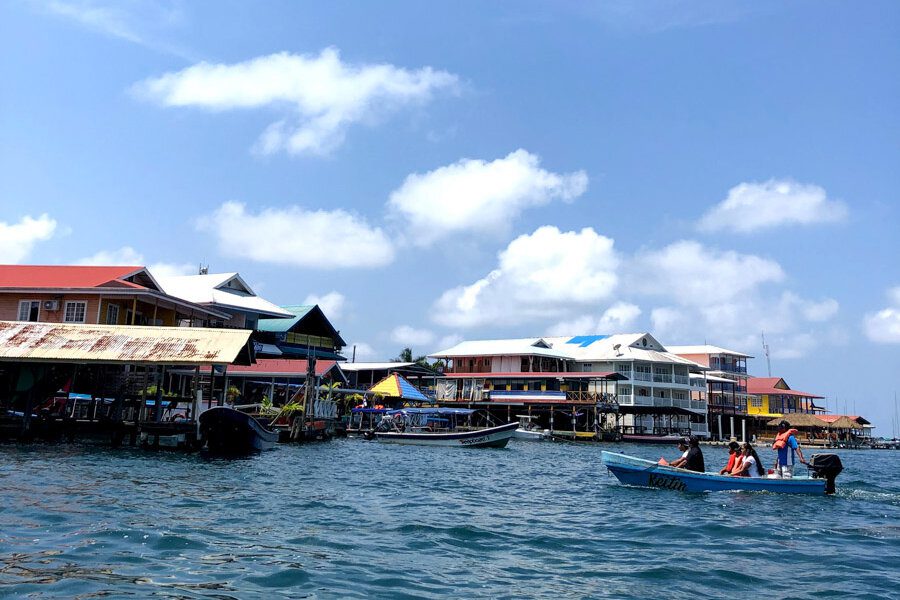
{"points": [[351, 518]]}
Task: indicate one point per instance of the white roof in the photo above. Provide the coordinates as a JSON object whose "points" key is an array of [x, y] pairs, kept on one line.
{"points": [[587, 348], [712, 378], [225, 290], [513, 347], [704, 349], [373, 366]]}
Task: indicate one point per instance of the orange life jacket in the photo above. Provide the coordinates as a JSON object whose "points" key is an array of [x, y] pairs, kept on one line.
{"points": [[782, 438]]}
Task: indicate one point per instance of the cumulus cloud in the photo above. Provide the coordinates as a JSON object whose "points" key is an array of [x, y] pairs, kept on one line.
{"points": [[543, 274], [696, 275], [618, 318], [17, 240], [316, 239], [332, 303], [412, 337], [163, 269], [320, 95], [883, 326], [449, 340], [124, 256], [479, 196], [751, 207]]}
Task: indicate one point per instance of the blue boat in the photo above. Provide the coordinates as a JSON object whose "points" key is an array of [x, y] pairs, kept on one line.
{"points": [[646, 473]]}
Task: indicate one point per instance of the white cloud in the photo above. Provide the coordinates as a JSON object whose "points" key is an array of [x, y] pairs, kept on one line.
{"points": [[696, 275], [321, 95], [540, 275], [883, 326], [618, 318], [140, 22], [174, 269], [449, 340], [17, 240], [364, 352], [754, 206], [411, 337], [317, 239], [332, 303], [475, 196], [124, 256]]}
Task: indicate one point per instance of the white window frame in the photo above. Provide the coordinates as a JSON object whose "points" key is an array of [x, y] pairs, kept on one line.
{"points": [[75, 311], [29, 302], [111, 306]]}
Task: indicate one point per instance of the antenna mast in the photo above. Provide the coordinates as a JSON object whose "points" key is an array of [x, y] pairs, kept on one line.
{"points": [[766, 350]]}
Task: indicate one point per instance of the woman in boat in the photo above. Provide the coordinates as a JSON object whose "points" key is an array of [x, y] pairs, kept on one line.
{"points": [[734, 455], [751, 465]]}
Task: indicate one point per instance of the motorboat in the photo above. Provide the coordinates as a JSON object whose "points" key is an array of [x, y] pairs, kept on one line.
{"points": [[528, 430], [460, 427], [224, 430], [635, 438], [635, 471]]}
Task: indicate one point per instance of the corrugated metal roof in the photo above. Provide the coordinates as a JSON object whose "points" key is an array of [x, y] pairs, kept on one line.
{"points": [[65, 276], [212, 289], [283, 325], [705, 349], [68, 342]]}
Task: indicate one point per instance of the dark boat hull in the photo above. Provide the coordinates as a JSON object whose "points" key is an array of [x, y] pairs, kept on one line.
{"points": [[225, 430], [491, 437]]}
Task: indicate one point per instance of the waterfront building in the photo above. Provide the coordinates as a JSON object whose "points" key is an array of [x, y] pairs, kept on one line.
{"points": [[227, 293], [634, 383], [773, 397], [306, 333], [726, 383], [112, 295]]}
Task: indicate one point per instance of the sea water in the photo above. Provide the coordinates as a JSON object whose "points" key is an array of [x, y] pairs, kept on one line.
{"points": [[356, 519]]}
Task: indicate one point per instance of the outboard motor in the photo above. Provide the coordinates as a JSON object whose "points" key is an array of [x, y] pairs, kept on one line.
{"points": [[827, 467]]}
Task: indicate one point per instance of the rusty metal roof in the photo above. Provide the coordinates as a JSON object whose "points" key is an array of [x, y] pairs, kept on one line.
{"points": [[76, 343]]}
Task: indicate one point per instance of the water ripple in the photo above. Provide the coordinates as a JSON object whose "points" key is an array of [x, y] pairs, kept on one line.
{"points": [[355, 519]]}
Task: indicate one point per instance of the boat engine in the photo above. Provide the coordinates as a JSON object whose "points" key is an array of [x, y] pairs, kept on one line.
{"points": [[827, 467]]}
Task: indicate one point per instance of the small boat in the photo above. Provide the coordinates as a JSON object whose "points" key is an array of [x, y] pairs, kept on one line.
{"points": [[646, 473], [442, 427], [527, 430], [224, 430]]}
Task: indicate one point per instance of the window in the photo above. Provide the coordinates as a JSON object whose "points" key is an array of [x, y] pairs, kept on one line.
{"points": [[756, 401], [29, 310], [112, 314], [75, 312]]}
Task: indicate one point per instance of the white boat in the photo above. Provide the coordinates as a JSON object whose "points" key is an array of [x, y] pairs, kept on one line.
{"points": [[441, 427], [527, 430]]}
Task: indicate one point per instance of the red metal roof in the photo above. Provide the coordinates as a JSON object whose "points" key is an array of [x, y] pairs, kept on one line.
{"points": [[65, 276], [281, 367], [766, 385], [535, 375]]}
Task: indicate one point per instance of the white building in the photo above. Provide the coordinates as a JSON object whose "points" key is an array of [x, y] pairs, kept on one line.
{"points": [[652, 386]]}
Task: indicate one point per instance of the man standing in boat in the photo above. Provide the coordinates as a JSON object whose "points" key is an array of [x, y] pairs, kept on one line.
{"points": [[786, 445]]}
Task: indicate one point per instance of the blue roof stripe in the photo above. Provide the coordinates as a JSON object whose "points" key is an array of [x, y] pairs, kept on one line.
{"points": [[409, 392], [586, 340]]}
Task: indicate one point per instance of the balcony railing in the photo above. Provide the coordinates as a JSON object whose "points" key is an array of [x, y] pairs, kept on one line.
{"points": [[662, 378], [696, 405], [682, 379], [639, 376]]}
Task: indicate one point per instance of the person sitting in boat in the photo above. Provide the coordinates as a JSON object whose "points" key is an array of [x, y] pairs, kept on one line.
{"points": [[734, 458], [786, 446], [679, 462], [692, 459], [751, 466]]}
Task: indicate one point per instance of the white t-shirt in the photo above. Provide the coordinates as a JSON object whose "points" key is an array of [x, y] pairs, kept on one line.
{"points": [[751, 470]]}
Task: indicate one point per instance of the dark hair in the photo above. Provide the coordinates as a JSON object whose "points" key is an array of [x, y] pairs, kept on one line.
{"points": [[733, 446], [693, 441], [759, 467], [784, 424]]}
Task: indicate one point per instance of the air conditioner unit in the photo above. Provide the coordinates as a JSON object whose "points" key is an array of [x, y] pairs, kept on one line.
{"points": [[51, 305]]}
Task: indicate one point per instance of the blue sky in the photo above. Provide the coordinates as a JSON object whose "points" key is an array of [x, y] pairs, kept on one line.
{"points": [[438, 171]]}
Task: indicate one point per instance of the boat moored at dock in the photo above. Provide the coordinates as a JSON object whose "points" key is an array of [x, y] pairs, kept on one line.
{"points": [[646, 473], [442, 427], [224, 430]]}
